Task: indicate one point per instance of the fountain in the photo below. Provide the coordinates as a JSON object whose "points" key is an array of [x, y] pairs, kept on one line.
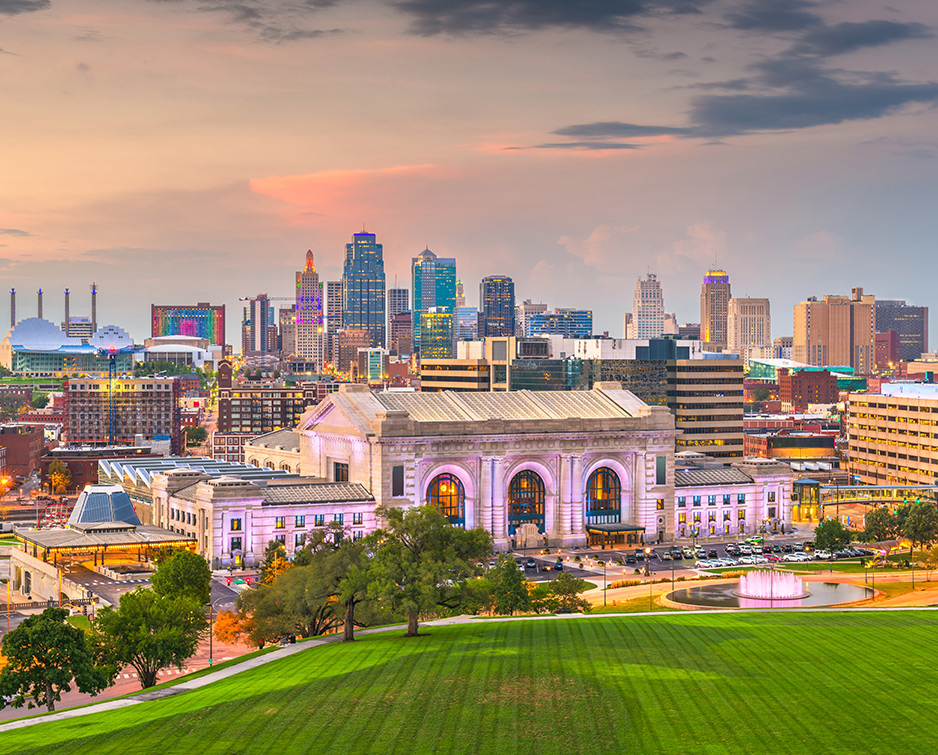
{"points": [[771, 585]]}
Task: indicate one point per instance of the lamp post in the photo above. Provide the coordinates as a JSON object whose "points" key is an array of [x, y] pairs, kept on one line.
{"points": [[648, 574], [604, 584], [210, 647]]}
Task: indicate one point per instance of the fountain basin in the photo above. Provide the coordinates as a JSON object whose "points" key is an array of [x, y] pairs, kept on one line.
{"points": [[725, 596], [764, 584]]}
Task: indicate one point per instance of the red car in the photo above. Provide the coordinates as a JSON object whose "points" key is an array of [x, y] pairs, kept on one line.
{"points": [[770, 557]]}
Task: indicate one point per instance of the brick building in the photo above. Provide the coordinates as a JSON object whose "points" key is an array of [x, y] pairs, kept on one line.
{"points": [[256, 409], [23, 444], [799, 389]]}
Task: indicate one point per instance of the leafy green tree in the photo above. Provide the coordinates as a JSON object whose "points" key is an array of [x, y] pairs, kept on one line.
{"points": [[44, 656], [421, 560], [184, 574], [510, 592], [761, 394], [921, 525], [39, 400], [10, 406], [196, 435], [566, 589], [880, 524], [542, 599], [352, 562], [262, 620], [477, 596], [152, 632], [831, 535]]}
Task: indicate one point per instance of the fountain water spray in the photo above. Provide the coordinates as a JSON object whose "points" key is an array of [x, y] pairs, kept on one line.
{"points": [[771, 585]]}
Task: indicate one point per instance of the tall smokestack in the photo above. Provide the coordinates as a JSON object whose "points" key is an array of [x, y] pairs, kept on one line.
{"points": [[40, 304], [94, 308], [66, 328], [12, 307]]}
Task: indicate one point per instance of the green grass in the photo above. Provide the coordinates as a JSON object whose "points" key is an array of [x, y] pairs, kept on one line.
{"points": [[676, 683]]}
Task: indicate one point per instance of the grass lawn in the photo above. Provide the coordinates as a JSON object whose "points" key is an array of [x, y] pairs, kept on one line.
{"points": [[676, 683]]}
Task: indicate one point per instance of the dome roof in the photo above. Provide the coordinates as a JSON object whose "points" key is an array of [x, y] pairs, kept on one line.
{"points": [[36, 334], [111, 338], [103, 503]]}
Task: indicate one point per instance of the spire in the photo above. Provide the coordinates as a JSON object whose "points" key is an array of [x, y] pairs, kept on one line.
{"points": [[310, 265]]}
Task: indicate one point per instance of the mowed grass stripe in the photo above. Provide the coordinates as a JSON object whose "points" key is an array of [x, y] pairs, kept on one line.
{"points": [[814, 683]]}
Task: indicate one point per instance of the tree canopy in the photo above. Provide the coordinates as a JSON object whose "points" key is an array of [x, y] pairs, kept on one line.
{"points": [[830, 535], [920, 526], [509, 588], [184, 574], [881, 524], [44, 656]]}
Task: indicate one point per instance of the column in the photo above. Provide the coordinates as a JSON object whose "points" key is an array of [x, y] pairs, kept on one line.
{"points": [[576, 496], [563, 524], [499, 513]]}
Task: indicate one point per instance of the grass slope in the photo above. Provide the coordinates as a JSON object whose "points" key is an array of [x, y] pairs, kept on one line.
{"points": [[680, 683]]}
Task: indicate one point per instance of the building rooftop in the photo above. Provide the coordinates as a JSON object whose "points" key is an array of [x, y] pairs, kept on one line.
{"points": [[698, 476], [910, 390], [140, 471], [36, 334], [286, 439], [100, 504]]}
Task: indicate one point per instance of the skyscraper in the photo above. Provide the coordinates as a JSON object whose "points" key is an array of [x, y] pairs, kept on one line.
{"points": [[256, 326], [434, 286], [496, 306], [310, 336], [749, 326], [287, 331], [648, 308], [398, 301], [837, 331], [363, 287], [908, 321], [460, 295], [523, 314], [466, 321], [436, 333], [714, 306]]}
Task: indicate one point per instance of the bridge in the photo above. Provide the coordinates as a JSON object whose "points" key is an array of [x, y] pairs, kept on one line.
{"points": [[812, 500]]}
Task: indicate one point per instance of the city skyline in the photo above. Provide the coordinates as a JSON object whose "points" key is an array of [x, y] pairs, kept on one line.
{"points": [[185, 152]]}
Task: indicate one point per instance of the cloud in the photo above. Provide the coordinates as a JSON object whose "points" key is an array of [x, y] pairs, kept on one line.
{"points": [[604, 249], [774, 16], [460, 17], [848, 37], [15, 7], [703, 243], [616, 130], [582, 145], [14, 232]]}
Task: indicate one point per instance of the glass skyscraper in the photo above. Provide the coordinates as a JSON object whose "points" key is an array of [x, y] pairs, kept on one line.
{"points": [[363, 287], [434, 286], [496, 306]]}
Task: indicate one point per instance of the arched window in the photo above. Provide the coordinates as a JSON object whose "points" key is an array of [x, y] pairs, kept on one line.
{"points": [[447, 493], [284, 467], [526, 501], [603, 497]]}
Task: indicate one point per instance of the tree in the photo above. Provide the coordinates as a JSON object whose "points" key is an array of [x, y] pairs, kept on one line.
{"points": [[44, 656], [10, 406], [760, 394], [831, 535], [59, 475], [184, 574], [230, 627], [477, 596], [510, 592], [421, 559], [881, 524], [196, 435], [542, 599], [152, 632], [566, 589], [39, 400], [275, 561], [921, 525]]}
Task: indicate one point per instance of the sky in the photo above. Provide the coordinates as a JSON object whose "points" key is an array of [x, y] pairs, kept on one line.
{"points": [[176, 151]]}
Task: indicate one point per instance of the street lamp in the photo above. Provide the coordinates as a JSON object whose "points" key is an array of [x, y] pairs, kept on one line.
{"points": [[604, 584], [648, 574]]}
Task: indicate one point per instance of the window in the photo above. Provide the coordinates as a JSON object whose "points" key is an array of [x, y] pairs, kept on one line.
{"points": [[712, 516], [696, 500], [282, 539], [300, 520], [682, 518], [696, 517], [397, 480], [338, 518], [358, 535], [298, 539], [659, 504], [771, 496], [711, 500], [357, 517], [447, 494], [771, 512], [726, 499], [661, 470], [235, 544], [340, 471], [319, 520], [681, 502], [741, 498], [279, 522], [235, 524], [603, 497], [526, 497], [740, 514], [726, 516]]}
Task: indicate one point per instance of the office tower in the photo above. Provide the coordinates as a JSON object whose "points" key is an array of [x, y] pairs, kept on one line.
{"points": [[256, 326], [837, 331], [332, 298], [398, 301], [887, 350], [523, 314], [496, 306], [202, 320], [349, 342], [706, 397], [782, 347], [909, 322], [460, 295], [648, 308], [288, 331], [689, 330], [749, 326], [363, 288], [401, 333], [434, 286], [436, 333], [570, 323], [714, 304], [310, 326], [467, 323]]}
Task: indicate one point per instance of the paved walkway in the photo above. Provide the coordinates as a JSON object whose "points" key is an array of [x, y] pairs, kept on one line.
{"points": [[160, 692]]}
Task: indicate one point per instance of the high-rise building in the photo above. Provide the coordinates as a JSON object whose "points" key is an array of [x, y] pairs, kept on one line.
{"points": [[466, 321], [401, 335], [496, 306], [310, 325], [715, 298], [202, 320], [523, 314], [749, 326], [256, 326], [434, 286], [288, 331], [398, 301], [570, 323], [333, 317], [648, 308], [460, 294], [782, 347], [909, 322], [436, 334], [706, 397], [363, 288], [349, 342], [838, 331]]}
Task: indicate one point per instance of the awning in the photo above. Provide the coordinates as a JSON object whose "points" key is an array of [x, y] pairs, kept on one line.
{"points": [[612, 528]]}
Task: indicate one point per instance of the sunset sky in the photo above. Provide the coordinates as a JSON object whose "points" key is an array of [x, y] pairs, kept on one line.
{"points": [[192, 150]]}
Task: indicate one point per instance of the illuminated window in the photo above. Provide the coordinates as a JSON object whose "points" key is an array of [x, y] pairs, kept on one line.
{"points": [[603, 497], [300, 520], [279, 522], [447, 494], [659, 504], [772, 497], [526, 497], [319, 520], [235, 544], [236, 525]]}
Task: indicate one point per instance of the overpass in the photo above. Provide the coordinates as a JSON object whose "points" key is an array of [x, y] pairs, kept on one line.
{"points": [[812, 500]]}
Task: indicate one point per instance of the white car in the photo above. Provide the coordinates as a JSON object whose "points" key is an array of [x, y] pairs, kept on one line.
{"points": [[822, 555], [703, 565], [759, 560], [792, 557], [728, 562], [745, 550], [746, 560]]}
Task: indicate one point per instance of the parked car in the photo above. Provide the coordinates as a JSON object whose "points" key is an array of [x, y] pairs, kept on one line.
{"points": [[530, 564], [746, 550], [822, 555], [776, 548], [787, 548], [630, 558], [771, 557], [558, 566], [746, 560], [791, 557], [666, 556], [712, 553], [639, 554], [687, 551], [677, 554], [702, 564]]}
